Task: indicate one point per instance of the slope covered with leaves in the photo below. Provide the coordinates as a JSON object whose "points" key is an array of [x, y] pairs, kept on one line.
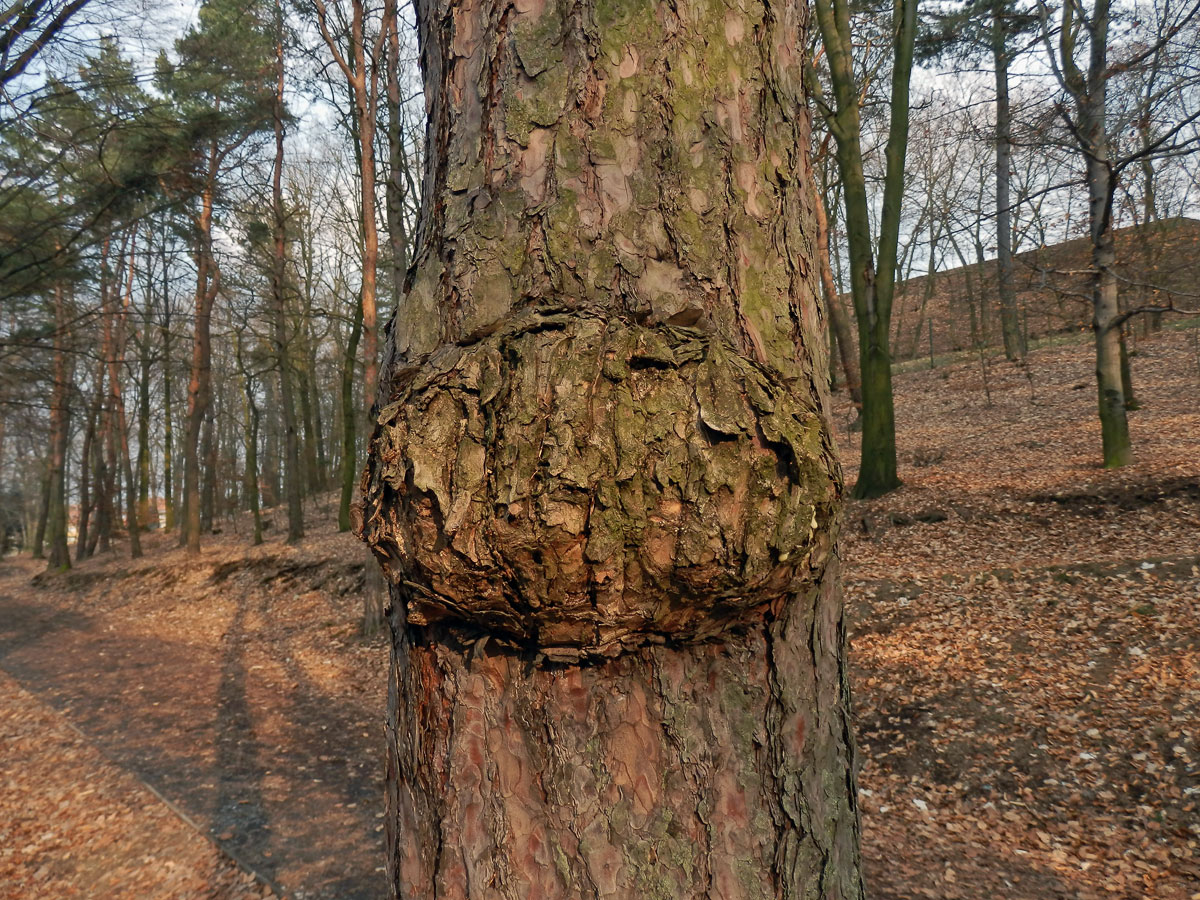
{"points": [[1025, 637]]}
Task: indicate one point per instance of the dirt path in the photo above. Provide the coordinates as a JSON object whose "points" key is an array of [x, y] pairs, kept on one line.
{"points": [[223, 702], [73, 824]]}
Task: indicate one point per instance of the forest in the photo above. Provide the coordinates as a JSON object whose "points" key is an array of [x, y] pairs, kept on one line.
{"points": [[681, 449]]}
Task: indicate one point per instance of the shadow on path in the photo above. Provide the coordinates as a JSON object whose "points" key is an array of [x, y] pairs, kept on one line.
{"points": [[286, 776]]}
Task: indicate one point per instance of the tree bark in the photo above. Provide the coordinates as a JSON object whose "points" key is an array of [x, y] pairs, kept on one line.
{"points": [[1114, 424], [116, 358], [60, 429], [361, 68], [293, 474], [1091, 110], [168, 432], [200, 383], [251, 420], [147, 515], [350, 469], [603, 486], [82, 537], [838, 321], [398, 163], [208, 471], [1014, 341]]}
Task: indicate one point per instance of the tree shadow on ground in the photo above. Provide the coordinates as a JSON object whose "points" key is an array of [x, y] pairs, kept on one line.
{"points": [[253, 761]]}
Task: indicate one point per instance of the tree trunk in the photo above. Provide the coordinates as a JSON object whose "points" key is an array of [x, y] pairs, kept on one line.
{"points": [[82, 538], [105, 449], [38, 545], [1014, 342], [1131, 402], [118, 323], [318, 437], [1114, 425], [928, 287], [397, 158], [168, 433], [872, 285], [839, 323], [293, 474], [603, 485], [200, 383], [251, 420], [147, 515], [350, 470], [60, 430], [208, 471]]}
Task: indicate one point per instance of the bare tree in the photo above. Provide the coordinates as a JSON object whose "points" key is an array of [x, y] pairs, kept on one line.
{"points": [[1085, 32]]}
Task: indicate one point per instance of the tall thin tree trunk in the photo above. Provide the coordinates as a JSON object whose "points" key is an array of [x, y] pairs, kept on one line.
{"points": [[1091, 108], [1114, 424], [147, 515], [116, 359], [60, 429], [603, 484], [928, 287], [397, 158], [350, 469], [838, 320], [210, 449], [361, 68], [1014, 341], [293, 474], [82, 538], [38, 545], [168, 433], [318, 436], [200, 383], [872, 266], [251, 419]]}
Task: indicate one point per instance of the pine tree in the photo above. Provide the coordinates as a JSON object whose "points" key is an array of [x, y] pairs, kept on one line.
{"points": [[221, 83]]}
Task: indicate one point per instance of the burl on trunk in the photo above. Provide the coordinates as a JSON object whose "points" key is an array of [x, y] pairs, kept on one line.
{"points": [[602, 485]]}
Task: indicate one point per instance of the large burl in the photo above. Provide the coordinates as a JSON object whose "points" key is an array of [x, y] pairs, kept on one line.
{"points": [[577, 484]]}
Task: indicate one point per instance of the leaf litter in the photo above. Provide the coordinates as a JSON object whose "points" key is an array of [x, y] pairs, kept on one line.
{"points": [[1024, 659]]}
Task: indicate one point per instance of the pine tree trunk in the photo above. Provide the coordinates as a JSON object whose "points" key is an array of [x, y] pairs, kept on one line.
{"points": [[60, 429], [603, 485], [293, 474], [116, 358], [350, 470], [168, 432], [200, 383]]}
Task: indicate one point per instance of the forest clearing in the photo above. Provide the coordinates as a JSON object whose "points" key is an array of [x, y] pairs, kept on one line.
{"points": [[1024, 668]]}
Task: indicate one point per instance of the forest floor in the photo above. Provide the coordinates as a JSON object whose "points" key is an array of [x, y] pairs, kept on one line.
{"points": [[1025, 657]]}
